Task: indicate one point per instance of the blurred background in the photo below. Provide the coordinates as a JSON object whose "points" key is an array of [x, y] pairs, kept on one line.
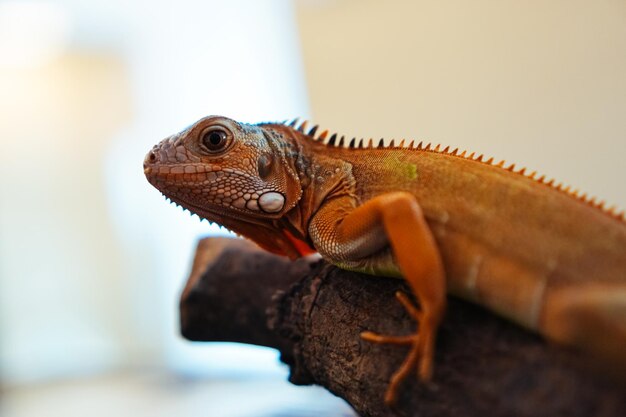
{"points": [[92, 259]]}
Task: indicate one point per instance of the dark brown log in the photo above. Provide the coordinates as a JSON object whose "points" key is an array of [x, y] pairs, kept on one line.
{"points": [[484, 365]]}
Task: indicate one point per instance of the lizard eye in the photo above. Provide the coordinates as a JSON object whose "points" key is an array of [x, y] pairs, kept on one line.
{"points": [[215, 139]]}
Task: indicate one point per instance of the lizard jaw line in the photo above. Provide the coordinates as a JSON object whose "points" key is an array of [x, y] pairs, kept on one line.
{"points": [[208, 214]]}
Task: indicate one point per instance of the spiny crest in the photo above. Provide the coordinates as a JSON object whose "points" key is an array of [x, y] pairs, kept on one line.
{"points": [[428, 147]]}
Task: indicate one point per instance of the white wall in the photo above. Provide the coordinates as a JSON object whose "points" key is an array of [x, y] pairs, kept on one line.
{"points": [[91, 257]]}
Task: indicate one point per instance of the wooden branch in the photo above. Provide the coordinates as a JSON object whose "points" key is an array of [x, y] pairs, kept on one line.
{"points": [[484, 365]]}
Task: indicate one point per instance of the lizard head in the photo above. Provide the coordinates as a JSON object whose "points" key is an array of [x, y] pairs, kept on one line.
{"points": [[237, 175]]}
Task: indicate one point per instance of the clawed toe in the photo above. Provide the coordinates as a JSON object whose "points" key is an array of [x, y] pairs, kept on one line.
{"points": [[420, 356], [408, 305], [382, 339]]}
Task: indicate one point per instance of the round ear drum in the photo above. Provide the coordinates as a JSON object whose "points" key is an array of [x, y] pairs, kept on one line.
{"points": [[264, 165]]}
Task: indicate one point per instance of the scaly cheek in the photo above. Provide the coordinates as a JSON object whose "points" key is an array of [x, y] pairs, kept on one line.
{"points": [[234, 191]]}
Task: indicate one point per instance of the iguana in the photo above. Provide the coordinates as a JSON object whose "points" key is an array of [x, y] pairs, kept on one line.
{"points": [[534, 252]]}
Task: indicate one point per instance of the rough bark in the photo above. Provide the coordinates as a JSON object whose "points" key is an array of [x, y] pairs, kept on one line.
{"points": [[313, 313]]}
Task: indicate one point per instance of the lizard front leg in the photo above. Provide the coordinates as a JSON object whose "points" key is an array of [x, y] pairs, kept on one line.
{"points": [[350, 236]]}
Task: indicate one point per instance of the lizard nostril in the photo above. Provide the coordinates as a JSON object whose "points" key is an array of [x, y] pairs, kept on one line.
{"points": [[150, 159]]}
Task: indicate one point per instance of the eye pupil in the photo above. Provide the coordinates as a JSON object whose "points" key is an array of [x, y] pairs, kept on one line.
{"points": [[214, 140]]}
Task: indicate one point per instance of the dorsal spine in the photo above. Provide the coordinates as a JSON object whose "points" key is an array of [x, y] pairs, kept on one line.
{"points": [[353, 144]]}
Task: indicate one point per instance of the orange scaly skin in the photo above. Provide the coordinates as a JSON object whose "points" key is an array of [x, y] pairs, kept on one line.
{"points": [[538, 254]]}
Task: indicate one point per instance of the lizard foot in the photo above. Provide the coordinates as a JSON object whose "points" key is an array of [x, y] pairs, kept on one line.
{"points": [[420, 355]]}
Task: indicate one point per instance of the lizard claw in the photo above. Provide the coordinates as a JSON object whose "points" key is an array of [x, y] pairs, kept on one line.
{"points": [[421, 344]]}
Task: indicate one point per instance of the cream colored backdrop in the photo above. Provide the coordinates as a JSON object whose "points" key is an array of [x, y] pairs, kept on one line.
{"points": [[539, 83], [92, 259]]}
